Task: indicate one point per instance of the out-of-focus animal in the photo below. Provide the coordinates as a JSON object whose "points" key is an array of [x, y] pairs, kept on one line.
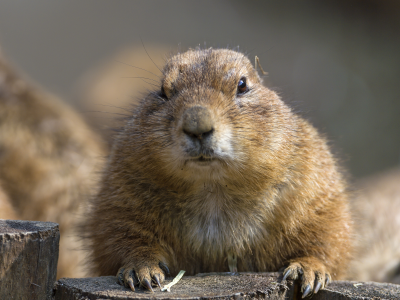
{"points": [[377, 216], [110, 90], [49, 162]]}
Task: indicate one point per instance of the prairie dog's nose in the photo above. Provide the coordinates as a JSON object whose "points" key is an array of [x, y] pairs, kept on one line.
{"points": [[197, 122]]}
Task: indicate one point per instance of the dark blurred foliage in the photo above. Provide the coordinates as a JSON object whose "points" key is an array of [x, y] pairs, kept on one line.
{"points": [[336, 62]]}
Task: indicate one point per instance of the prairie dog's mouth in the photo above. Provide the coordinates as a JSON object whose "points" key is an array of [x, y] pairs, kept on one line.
{"points": [[202, 160]]}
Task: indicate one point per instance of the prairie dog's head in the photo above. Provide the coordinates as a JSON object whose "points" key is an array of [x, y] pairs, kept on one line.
{"points": [[211, 118]]}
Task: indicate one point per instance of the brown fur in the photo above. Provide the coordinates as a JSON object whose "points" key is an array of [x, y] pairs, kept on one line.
{"points": [[49, 160], [377, 217], [6, 209], [272, 196]]}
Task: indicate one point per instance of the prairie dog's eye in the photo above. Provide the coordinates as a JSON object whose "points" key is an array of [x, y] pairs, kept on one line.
{"points": [[162, 93], [242, 86]]}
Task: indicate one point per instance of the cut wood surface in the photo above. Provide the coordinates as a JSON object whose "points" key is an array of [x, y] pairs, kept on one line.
{"points": [[221, 286], [28, 259]]}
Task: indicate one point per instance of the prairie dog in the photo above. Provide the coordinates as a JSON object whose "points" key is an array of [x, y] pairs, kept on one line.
{"points": [[49, 161], [214, 172], [377, 221], [6, 209]]}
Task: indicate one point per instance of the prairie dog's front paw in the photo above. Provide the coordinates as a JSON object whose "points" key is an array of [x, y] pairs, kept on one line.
{"points": [[143, 274], [311, 271]]}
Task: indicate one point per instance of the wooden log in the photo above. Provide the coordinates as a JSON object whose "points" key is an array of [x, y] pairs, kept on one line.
{"points": [[28, 259], [222, 286]]}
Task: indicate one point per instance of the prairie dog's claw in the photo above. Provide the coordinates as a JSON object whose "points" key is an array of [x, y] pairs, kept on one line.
{"points": [[145, 283], [127, 278], [131, 285], [311, 272], [164, 268], [120, 276], [286, 274], [157, 280], [306, 291], [131, 275], [328, 279], [317, 287]]}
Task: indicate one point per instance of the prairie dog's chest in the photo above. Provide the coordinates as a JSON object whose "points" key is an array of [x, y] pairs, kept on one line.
{"points": [[219, 223]]}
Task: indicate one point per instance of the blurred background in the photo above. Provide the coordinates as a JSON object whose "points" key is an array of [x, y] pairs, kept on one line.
{"points": [[335, 62]]}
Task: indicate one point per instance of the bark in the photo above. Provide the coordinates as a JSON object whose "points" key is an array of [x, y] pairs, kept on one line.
{"points": [[28, 259], [221, 286]]}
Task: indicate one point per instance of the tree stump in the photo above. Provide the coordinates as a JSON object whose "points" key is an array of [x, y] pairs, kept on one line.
{"points": [[221, 286], [28, 259]]}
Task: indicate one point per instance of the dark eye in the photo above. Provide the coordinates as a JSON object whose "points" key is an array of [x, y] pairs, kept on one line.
{"points": [[242, 86], [162, 94]]}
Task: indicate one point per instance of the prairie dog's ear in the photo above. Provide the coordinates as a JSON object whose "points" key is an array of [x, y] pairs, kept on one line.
{"points": [[257, 63]]}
